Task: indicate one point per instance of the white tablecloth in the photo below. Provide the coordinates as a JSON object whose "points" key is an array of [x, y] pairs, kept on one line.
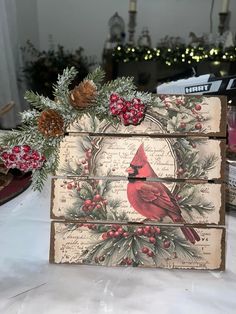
{"points": [[30, 285]]}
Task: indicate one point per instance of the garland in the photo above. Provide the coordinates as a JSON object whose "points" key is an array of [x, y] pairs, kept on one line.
{"points": [[178, 55]]}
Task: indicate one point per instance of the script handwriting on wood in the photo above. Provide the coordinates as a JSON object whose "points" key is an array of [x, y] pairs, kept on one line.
{"points": [[95, 244], [150, 195]]}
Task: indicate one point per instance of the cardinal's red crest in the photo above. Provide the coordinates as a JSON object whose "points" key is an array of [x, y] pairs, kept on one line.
{"points": [[140, 157]]}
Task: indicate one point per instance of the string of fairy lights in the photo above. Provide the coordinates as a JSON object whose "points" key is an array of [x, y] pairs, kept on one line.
{"points": [[172, 56]]}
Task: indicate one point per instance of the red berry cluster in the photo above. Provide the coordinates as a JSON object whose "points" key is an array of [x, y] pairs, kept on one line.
{"points": [[169, 101], [116, 231], [199, 118], [90, 226], [84, 163], [95, 203], [148, 231], [23, 158], [129, 112], [127, 261]]}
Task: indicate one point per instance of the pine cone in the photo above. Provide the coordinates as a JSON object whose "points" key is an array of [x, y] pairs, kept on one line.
{"points": [[50, 123], [83, 95]]}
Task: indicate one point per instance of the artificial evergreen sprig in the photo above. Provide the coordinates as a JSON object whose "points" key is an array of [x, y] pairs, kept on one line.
{"points": [[43, 127], [133, 245]]}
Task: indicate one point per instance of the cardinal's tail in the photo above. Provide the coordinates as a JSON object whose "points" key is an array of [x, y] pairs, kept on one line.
{"points": [[190, 234]]}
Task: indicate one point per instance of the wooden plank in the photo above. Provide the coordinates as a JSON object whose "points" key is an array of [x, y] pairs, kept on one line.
{"points": [[124, 245], [106, 200], [175, 115], [183, 158]]}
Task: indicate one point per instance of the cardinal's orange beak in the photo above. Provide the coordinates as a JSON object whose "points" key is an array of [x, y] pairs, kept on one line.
{"points": [[130, 170]]}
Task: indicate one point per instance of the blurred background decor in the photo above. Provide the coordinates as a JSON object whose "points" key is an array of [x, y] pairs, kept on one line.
{"points": [[41, 67]]}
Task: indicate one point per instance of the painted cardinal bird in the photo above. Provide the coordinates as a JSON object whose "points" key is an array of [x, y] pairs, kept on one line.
{"points": [[153, 199]]}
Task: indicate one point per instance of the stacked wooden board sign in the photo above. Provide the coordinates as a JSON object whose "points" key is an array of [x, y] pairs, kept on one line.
{"points": [[150, 195]]}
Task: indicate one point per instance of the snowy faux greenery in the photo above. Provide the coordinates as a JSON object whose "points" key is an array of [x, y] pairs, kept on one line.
{"points": [[43, 127], [48, 146]]}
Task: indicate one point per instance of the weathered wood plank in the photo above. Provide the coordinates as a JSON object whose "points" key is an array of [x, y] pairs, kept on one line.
{"points": [[183, 158], [176, 115], [132, 245], [107, 200]]}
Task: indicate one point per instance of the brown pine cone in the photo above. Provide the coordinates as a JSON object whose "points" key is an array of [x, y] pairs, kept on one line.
{"points": [[50, 123], [83, 95]]}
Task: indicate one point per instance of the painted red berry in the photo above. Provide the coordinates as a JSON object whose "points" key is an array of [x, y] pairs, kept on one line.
{"points": [[139, 231], [150, 253], [178, 197], [88, 154], [157, 230], [145, 250], [180, 171], [97, 198], [129, 261], [98, 206], [87, 202], [110, 234], [147, 228], [101, 258], [126, 234], [166, 244], [116, 234], [152, 230], [152, 240], [198, 126], [105, 236], [198, 107], [90, 226], [120, 230]]}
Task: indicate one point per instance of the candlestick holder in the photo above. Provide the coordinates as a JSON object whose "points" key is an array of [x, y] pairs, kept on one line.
{"points": [[223, 22], [131, 25]]}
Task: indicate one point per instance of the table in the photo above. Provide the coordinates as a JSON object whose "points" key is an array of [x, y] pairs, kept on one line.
{"points": [[30, 285]]}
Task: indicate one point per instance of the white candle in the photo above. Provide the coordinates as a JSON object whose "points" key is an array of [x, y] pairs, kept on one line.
{"points": [[132, 5], [225, 6]]}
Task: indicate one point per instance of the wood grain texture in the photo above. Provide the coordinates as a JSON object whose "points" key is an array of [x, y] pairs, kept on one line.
{"points": [[86, 244], [174, 115], [174, 158], [105, 200], [110, 156]]}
